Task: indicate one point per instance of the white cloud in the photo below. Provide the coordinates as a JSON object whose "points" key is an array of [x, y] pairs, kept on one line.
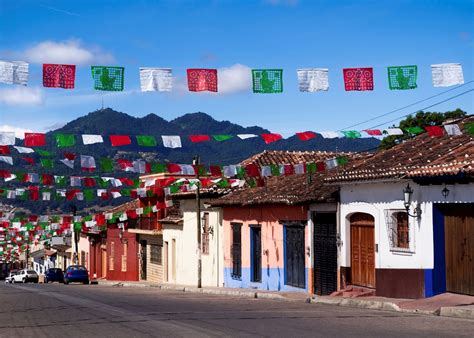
{"points": [[21, 96], [233, 79], [66, 52], [19, 132]]}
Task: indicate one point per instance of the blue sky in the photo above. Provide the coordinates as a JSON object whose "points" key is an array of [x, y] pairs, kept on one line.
{"points": [[286, 34]]}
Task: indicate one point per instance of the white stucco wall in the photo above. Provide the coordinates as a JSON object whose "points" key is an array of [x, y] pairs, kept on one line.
{"points": [[375, 198], [186, 248]]}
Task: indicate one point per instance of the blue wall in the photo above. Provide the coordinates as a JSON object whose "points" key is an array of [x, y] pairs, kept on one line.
{"points": [[435, 279]]}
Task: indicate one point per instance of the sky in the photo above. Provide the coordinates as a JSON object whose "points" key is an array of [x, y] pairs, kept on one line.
{"points": [[234, 37]]}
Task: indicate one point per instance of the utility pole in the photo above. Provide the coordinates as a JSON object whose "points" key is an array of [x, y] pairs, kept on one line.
{"points": [[76, 235], [198, 216]]}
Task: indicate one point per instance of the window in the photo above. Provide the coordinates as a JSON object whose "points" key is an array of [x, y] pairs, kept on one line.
{"points": [[236, 250], [155, 254], [205, 234], [83, 258], [398, 228], [112, 255], [124, 257]]}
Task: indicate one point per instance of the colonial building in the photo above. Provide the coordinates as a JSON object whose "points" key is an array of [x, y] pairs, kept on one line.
{"points": [[407, 218]]}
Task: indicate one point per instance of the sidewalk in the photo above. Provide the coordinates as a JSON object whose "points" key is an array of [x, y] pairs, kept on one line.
{"points": [[447, 304]]}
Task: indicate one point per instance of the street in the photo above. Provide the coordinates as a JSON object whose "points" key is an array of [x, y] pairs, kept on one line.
{"points": [[56, 310]]}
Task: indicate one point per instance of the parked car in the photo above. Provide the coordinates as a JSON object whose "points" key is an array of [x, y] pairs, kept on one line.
{"points": [[76, 273], [25, 276], [9, 278], [54, 275]]}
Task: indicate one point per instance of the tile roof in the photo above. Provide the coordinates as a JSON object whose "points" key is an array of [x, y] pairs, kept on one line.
{"points": [[124, 207], [269, 157], [421, 156]]}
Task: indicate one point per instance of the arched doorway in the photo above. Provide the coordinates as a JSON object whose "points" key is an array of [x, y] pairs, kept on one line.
{"points": [[362, 250]]}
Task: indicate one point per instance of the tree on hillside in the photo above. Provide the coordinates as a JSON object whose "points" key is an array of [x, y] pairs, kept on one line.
{"points": [[421, 119]]}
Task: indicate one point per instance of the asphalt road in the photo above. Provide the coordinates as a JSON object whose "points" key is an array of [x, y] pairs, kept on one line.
{"points": [[54, 310]]}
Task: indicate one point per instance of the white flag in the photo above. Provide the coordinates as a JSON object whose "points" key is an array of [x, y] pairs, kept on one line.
{"points": [[230, 170], [7, 138], [33, 178], [46, 195], [155, 79], [246, 136], [24, 150], [116, 194], [330, 134], [313, 79], [15, 72], [92, 139], [139, 166], [87, 162], [394, 131], [299, 168], [332, 163], [11, 194], [6, 159], [69, 163], [447, 74], [452, 129], [75, 181], [266, 171], [187, 169], [171, 141]]}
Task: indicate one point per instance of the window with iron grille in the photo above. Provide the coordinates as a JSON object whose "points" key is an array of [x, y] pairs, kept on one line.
{"points": [[398, 227], [124, 257], [112, 256], [155, 254], [236, 250], [205, 234]]}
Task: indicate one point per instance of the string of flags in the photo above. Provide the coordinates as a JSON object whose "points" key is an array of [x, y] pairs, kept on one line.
{"points": [[265, 81], [175, 141]]}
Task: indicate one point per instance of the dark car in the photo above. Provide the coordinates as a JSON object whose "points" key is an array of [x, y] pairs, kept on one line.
{"points": [[76, 273], [54, 275]]}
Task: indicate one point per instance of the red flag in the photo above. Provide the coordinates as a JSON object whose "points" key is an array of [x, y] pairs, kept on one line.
{"points": [[173, 168], [132, 214], [70, 156], [59, 76], [199, 138], [104, 196], [252, 170], [89, 182], [30, 160], [34, 193], [308, 135], [358, 79], [5, 174], [435, 131], [100, 219], [320, 166], [47, 179], [202, 79], [147, 168], [269, 138], [70, 194], [4, 150], [373, 132], [124, 164], [215, 170], [34, 140], [120, 140], [288, 169]]}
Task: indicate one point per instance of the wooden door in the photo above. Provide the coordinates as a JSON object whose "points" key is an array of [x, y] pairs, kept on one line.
{"points": [[295, 256], [143, 260], [362, 250], [325, 253], [173, 260], [256, 254], [459, 242], [104, 263]]}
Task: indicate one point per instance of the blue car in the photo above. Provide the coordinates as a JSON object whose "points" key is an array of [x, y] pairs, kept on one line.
{"points": [[76, 274], [54, 275]]}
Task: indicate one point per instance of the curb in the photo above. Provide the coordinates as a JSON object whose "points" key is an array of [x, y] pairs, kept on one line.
{"points": [[457, 312]]}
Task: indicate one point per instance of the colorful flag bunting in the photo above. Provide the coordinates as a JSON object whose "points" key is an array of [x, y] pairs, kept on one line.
{"points": [[452, 129], [246, 136], [47, 163], [65, 140], [59, 76], [91, 139], [4, 150], [414, 130], [87, 163], [155, 79], [15, 72], [435, 131], [7, 138], [108, 78], [267, 81], [34, 140], [67, 162], [120, 140], [394, 131], [171, 141], [220, 138], [447, 74], [146, 141], [269, 138], [373, 132], [402, 77], [106, 165], [469, 128], [199, 138], [313, 79], [202, 80], [330, 134], [351, 134], [6, 159], [305, 136], [358, 79]]}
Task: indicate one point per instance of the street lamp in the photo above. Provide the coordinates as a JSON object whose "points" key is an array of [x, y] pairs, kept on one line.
{"points": [[445, 192], [407, 199]]}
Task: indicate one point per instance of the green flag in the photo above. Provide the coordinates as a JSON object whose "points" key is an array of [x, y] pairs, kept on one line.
{"points": [[342, 160], [158, 168], [108, 78], [47, 162], [311, 168], [146, 141], [267, 81], [60, 180], [402, 77], [20, 176], [469, 128], [77, 226], [351, 134], [88, 194], [275, 169], [125, 192], [65, 140], [147, 210], [43, 153], [241, 172], [252, 183], [414, 130], [223, 183], [103, 183], [106, 165], [220, 138]]}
